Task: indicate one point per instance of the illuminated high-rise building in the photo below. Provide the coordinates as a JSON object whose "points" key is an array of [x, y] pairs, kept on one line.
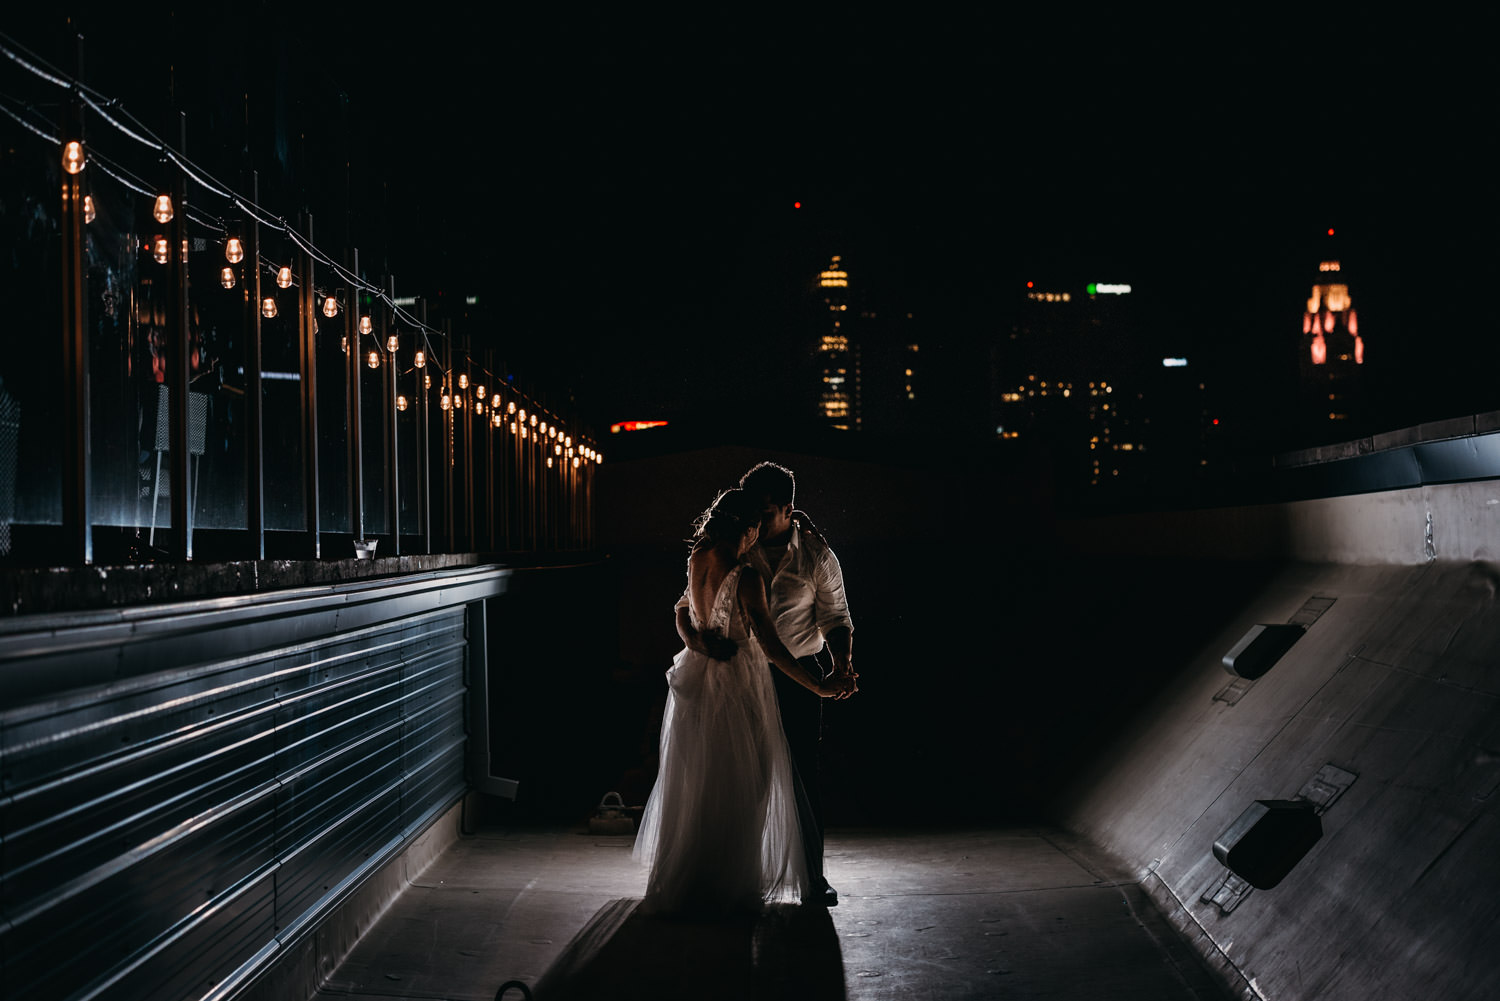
{"points": [[1332, 355], [838, 351]]}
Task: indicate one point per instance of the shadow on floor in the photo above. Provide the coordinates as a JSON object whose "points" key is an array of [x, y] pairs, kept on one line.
{"points": [[785, 951]]}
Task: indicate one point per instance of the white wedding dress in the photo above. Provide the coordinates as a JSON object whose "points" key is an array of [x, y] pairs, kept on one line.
{"points": [[720, 830]]}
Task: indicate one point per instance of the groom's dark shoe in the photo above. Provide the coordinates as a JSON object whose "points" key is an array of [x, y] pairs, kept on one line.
{"points": [[826, 897]]}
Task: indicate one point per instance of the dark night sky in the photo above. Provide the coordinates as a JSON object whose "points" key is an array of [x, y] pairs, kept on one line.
{"points": [[623, 198]]}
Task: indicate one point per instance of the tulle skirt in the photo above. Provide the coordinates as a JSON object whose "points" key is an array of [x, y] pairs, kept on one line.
{"points": [[720, 831]]}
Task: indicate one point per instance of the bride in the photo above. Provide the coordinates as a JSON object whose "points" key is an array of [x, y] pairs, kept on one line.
{"points": [[720, 830]]}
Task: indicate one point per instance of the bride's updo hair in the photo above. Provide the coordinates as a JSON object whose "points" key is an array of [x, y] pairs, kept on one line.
{"points": [[728, 518]]}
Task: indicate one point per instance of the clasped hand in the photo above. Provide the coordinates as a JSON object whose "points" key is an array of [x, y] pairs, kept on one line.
{"points": [[840, 684]]}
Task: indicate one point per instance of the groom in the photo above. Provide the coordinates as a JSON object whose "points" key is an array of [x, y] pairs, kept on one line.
{"points": [[805, 591]]}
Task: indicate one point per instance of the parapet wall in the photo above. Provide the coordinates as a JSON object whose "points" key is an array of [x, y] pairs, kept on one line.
{"points": [[1384, 716]]}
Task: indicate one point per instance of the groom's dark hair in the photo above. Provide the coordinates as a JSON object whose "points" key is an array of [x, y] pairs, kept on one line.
{"points": [[768, 479]]}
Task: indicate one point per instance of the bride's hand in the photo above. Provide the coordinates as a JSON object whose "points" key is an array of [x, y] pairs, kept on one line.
{"points": [[719, 647], [838, 686]]}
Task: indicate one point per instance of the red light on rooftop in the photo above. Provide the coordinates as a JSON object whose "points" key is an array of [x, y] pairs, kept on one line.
{"points": [[1216, 420], [635, 426], [1330, 230], [796, 205], [1030, 284]]}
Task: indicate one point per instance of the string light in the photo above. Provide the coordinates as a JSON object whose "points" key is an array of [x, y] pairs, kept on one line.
{"points": [[458, 401], [73, 158], [446, 401], [427, 380], [74, 161]]}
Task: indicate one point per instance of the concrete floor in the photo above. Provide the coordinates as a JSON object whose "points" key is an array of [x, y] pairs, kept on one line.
{"points": [[952, 915]]}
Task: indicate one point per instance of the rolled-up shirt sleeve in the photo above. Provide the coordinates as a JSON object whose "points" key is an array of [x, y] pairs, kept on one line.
{"points": [[830, 606]]}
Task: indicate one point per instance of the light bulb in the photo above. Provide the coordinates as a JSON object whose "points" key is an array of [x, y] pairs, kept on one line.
{"points": [[533, 420], [88, 208], [330, 307], [160, 249], [549, 462], [522, 415], [510, 407], [479, 391], [268, 307], [162, 211], [557, 449], [226, 277], [427, 381], [373, 359], [234, 250], [512, 427], [365, 326], [446, 401], [344, 344], [523, 430], [575, 462], [392, 343], [495, 401], [495, 417], [420, 361], [284, 277], [72, 158], [478, 408], [400, 403], [463, 380], [458, 401]]}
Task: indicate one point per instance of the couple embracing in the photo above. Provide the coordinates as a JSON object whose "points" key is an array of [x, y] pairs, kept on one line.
{"points": [[734, 819]]}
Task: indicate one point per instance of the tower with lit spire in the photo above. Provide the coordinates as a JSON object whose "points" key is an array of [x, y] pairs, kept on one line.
{"points": [[1332, 354]]}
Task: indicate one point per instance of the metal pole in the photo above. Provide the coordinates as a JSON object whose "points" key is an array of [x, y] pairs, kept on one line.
{"points": [[255, 444], [424, 443], [489, 448], [393, 480], [469, 542], [179, 375], [309, 395], [76, 514], [351, 378], [448, 521]]}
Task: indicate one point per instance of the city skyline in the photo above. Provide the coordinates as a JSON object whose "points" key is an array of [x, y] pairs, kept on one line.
{"points": [[628, 226]]}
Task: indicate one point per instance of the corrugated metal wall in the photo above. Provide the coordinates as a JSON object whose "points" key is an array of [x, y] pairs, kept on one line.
{"points": [[188, 787]]}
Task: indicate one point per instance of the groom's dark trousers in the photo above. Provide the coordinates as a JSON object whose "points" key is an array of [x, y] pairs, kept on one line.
{"points": [[802, 721]]}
